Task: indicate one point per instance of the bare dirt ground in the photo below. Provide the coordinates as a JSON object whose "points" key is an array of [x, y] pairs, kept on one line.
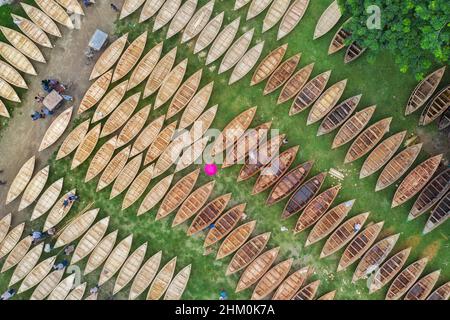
{"points": [[66, 62]]}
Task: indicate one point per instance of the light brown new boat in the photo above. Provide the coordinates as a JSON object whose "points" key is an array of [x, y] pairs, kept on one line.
{"points": [[159, 73], [166, 13], [257, 269], [275, 13], [275, 170], [247, 62], [47, 199], [235, 239], [162, 280], [171, 83], [209, 33], [3, 110], [133, 126], [126, 176], [328, 19], [8, 92], [436, 107], [58, 212], [240, 3], [138, 187], [316, 208], [47, 285], [86, 146], [130, 6], [198, 22], [308, 292], [422, 288], [441, 293], [354, 51], [439, 215], [23, 44], [359, 245], [247, 253], [12, 76], [295, 83], [36, 275], [72, 6], [73, 139], [27, 264], [202, 124], [196, 106], [328, 296], [56, 12], [171, 154], [130, 57], [160, 143], [236, 51], [5, 223], [416, 180], [41, 19], [155, 195], [145, 66], [282, 74], [191, 154], [113, 168], [147, 135], [343, 234], [116, 259], [130, 268], [76, 228], [149, 9], [11, 239], [16, 58], [292, 284], [182, 17], [256, 7], [56, 129], [292, 17], [77, 293], [120, 115], [309, 93], [145, 275], [95, 92], [272, 279], [109, 57], [101, 159], [17, 253], [338, 41], [406, 279], [184, 94], [329, 221], [367, 140], [268, 65], [424, 91], [224, 224], [21, 180], [326, 102], [381, 154], [223, 41], [178, 284], [63, 288], [34, 188]]}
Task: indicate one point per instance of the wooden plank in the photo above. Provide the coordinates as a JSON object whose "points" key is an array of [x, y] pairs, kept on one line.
{"points": [[338, 115], [295, 83], [130, 57], [47, 199], [34, 188], [21, 180], [56, 129], [73, 139]]}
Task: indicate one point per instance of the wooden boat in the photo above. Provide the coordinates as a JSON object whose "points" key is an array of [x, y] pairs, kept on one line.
{"points": [[367, 140], [202, 124], [328, 20], [115, 260], [240, 3], [316, 208], [86, 146], [247, 62], [166, 13], [275, 170], [354, 51], [77, 293], [41, 19], [439, 215], [177, 194], [209, 213], [121, 115], [56, 12], [282, 74], [72, 6], [3, 110], [272, 279], [359, 245], [155, 195], [338, 115], [176, 288], [260, 158], [339, 40], [224, 225], [256, 7], [247, 252], [21, 180], [73, 139], [17, 59], [181, 18], [424, 90], [388, 270], [12, 76], [373, 258], [47, 199], [17, 253], [92, 296], [159, 73], [303, 195], [444, 122], [326, 102], [416, 180], [292, 17], [110, 102], [233, 131], [436, 107], [191, 154], [308, 292], [329, 221], [309, 93], [145, 66], [90, 240], [5, 223], [236, 51], [130, 57], [343, 234], [171, 154], [198, 22], [47, 285], [257, 269], [27, 264], [101, 159], [8, 92], [295, 83], [109, 57], [269, 64], [209, 33], [34, 188], [113, 168], [196, 106], [56, 129], [149, 9], [23, 44], [133, 126], [126, 176], [160, 143], [171, 83], [130, 6], [235, 239], [162, 280], [275, 13], [441, 293], [58, 212], [95, 92], [292, 284], [328, 296], [223, 41], [422, 288], [147, 136], [76, 228], [193, 203], [145, 275], [406, 279], [184, 94], [130, 268], [36, 275], [138, 187], [63, 288], [381, 154]]}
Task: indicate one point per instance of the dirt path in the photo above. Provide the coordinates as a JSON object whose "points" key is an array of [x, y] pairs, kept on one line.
{"points": [[67, 62]]}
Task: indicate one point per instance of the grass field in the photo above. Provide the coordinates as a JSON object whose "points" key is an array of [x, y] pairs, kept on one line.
{"points": [[380, 83]]}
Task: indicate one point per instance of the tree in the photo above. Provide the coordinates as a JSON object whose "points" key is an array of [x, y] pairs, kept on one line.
{"points": [[416, 32]]}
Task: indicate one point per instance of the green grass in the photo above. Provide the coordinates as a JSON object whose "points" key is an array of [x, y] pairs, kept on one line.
{"points": [[378, 81]]}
